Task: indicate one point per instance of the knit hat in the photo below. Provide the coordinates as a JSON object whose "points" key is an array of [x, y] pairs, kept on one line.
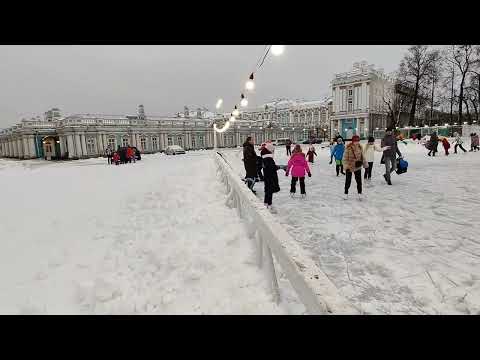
{"points": [[355, 138], [339, 140], [371, 139], [269, 146], [389, 128]]}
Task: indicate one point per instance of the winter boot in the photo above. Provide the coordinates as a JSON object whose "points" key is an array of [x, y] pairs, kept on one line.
{"points": [[345, 196], [338, 169], [304, 196], [341, 169]]}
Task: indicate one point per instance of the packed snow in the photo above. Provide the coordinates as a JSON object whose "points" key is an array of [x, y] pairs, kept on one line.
{"points": [[155, 237], [410, 248]]}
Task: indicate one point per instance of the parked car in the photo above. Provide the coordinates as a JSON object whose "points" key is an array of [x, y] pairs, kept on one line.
{"points": [[174, 150], [280, 142]]}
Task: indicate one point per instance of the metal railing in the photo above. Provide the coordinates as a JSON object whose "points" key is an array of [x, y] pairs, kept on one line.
{"points": [[314, 289]]}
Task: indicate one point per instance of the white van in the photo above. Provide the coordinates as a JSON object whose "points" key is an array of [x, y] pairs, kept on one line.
{"points": [[280, 142]]}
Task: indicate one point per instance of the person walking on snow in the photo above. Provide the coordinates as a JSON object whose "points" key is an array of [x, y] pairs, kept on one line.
{"points": [[476, 145], [298, 166], [390, 151], [288, 145], [270, 177], [433, 144], [446, 145], [458, 142], [109, 154], [311, 152], [353, 161], [250, 163], [116, 158], [369, 155], [337, 152]]}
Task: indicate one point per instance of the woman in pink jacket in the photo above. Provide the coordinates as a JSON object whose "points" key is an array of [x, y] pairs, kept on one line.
{"points": [[298, 166]]}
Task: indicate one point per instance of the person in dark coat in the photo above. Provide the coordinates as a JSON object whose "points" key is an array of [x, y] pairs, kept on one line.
{"points": [[270, 177], [259, 168], [250, 163], [289, 147], [433, 144], [390, 151]]}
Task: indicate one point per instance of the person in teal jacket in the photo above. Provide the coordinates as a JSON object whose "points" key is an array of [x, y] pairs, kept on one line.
{"points": [[337, 152]]}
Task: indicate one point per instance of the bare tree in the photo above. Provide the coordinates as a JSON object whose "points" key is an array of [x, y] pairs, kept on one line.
{"points": [[415, 69], [397, 100], [463, 58], [472, 94]]}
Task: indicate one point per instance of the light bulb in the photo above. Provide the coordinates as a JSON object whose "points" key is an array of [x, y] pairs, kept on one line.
{"points": [[244, 102], [250, 85], [277, 49], [219, 103], [232, 118], [235, 112]]}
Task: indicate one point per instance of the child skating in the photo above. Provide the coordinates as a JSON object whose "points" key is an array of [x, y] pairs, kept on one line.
{"points": [[369, 155], [337, 153], [298, 166]]}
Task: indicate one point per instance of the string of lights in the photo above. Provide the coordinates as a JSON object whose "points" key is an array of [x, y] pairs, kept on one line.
{"points": [[275, 50]]}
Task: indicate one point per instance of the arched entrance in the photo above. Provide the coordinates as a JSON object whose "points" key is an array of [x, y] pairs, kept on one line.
{"points": [[51, 147]]}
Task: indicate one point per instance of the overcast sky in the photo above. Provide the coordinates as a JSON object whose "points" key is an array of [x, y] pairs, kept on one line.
{"points": [[115, 79]]}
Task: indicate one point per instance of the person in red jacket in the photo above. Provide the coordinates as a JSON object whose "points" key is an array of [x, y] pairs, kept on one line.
{"points": [[130, 154], [116, 158], [298, 166], [446, 145]]}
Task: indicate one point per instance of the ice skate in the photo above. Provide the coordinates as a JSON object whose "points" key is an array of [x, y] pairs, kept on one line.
{"points": [[345, 196], [292, 195], [360, 197], [304, 196]]}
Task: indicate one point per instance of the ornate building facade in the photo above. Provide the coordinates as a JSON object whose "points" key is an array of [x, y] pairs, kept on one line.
{"points": [[358, 100], [88, 135]]}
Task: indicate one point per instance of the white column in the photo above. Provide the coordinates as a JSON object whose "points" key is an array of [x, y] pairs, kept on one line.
{"points": [[26, 149], [78, 146], [31, 145], [62, 145], [105, 142], [84, 144]]}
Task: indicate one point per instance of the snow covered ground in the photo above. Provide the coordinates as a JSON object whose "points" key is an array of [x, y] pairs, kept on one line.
{"points": [[153, 237], [410, 248]]}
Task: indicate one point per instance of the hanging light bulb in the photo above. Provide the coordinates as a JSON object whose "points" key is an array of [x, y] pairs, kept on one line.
{"points": [[232, 118], [250, 85], [277, 49], [219, 103], [235, 112], [244, 101]]}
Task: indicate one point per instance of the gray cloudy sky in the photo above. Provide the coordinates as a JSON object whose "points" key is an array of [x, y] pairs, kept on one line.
{"points": [[115, 79]]}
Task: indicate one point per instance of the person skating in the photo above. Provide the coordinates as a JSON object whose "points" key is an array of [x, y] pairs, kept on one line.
{"points": [[270, 177], [298, 166], [337, 153], [369, 155], [458, 142], [116, 158], [109, 154], [250, 163], [311, 153], [130, 154], [389, 144], [353, 161], [288, 145], [446, 145], [476, 146], [433, 144], [259, 169]]}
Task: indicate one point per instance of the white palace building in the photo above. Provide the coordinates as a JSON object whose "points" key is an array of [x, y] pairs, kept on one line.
{"points": [[88, 135], [358, 100]]}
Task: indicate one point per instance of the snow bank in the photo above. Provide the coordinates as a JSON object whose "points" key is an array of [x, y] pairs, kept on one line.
{"points": [[153, 237]]}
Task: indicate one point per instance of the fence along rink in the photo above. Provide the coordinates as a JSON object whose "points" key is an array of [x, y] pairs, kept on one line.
{"points": [[313, 288]]}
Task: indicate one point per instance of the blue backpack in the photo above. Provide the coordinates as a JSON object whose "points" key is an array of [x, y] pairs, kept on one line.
{"points": [[402, 166]]}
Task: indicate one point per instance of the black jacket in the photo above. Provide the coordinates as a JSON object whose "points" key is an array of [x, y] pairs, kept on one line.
{"points": [[390, 140], [250, 160], [270, 177]]}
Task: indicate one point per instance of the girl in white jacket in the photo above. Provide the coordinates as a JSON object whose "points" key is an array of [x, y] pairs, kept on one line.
{"points": [[369, 155]]}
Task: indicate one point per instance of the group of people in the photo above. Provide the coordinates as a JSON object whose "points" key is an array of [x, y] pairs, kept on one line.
{"points": [[123, 155], [432, 144], [350, 160]]}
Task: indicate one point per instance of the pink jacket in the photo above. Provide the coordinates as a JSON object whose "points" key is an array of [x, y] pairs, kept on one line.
{"points": [[298, 164]]}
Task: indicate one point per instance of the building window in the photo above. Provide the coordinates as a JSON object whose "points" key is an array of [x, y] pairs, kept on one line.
{"points": [[350, 92], [194, 145], [154, 143], [179, 141], [200, 141], [229, 140], [90, 146], [111, 143], [350, 105], [169, 141], [143, 143], [125, 142]]}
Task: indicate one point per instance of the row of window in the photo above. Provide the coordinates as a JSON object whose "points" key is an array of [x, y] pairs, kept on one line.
{"points": [[171, 140]]}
